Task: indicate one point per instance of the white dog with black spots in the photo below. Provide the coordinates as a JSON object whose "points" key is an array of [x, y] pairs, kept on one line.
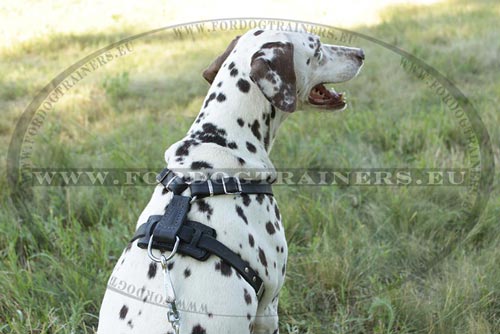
{"points": [[260, 79]]}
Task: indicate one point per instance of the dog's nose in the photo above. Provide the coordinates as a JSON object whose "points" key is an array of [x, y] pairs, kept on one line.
{"points": [[360, 54]]}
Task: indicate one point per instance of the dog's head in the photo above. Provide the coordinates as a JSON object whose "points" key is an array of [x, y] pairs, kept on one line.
{"points": [[290, 68]]}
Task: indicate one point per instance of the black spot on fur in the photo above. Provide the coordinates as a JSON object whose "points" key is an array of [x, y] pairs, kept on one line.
{"points": [[262, 257], [308, 61], [200, 117], [221, 97], [277, 212], [273, 111], [277, 225], [128, 247], [249, 316], [210, 98], [243, 85], [187, 272], [200, 165], [231, 66], [240, 122], [241, 161], [129, 323], [267, 119], [234, 72], [240, 213], [247, 296], [260, 198], [258, 32], [170, 265], [205, 208], [311, 39], [224, 268], [183, 149], [123, 312], [246, 199], [256, 129], [270, 228], [210, 133], [251, 147], [251, 240], [232, 145], [152, 270], [219, 84], [198, 330]]}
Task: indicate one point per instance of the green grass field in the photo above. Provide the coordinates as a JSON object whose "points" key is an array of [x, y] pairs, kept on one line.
{"points": [[361, 260]]}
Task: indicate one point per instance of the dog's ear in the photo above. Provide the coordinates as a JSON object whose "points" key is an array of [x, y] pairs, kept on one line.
{"points": [[273, 71], [211, 71]]}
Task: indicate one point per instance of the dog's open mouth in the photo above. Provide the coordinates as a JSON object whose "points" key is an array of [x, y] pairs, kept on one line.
{"points": [[326, 98]]}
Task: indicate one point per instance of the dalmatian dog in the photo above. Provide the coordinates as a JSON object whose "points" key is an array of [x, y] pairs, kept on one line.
{"points": [[260, 79]]}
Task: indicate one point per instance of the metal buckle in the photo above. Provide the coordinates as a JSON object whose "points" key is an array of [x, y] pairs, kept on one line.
{"points": [[163, 177], [169, 182], [261, 291], [210, 187], [233, 193], [163, 258]]}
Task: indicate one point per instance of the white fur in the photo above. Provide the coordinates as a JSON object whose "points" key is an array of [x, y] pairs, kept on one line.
{"points": [[206, 288]]}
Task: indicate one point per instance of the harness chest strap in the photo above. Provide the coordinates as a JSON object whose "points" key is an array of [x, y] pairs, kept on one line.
{"points": [[197, 240]]}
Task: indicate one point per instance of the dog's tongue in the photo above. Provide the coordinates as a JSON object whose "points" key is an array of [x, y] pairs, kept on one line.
{"points": [[321, 96]]}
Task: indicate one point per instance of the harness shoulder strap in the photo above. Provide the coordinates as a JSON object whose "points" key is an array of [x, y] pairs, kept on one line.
{"points": [[170, 223]]}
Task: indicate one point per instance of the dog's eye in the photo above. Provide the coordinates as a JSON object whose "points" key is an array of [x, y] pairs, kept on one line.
{"points": [[318, 53]]}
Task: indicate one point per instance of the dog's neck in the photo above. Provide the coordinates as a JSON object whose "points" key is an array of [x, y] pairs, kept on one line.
{"points": [[235, 129], [245, 117]]}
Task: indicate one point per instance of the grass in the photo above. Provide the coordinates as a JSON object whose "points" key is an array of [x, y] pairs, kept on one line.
{"points": [[362, 259]]}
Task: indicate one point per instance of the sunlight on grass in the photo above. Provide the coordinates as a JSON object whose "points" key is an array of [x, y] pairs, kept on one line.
{"points": [[45, 18], [360, 257]]}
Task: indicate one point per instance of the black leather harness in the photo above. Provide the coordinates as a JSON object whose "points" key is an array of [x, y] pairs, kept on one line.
{"points": [[172, 229]]}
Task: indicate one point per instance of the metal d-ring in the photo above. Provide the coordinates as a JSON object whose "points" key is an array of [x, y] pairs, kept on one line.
{"points": [[162, 258]]}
